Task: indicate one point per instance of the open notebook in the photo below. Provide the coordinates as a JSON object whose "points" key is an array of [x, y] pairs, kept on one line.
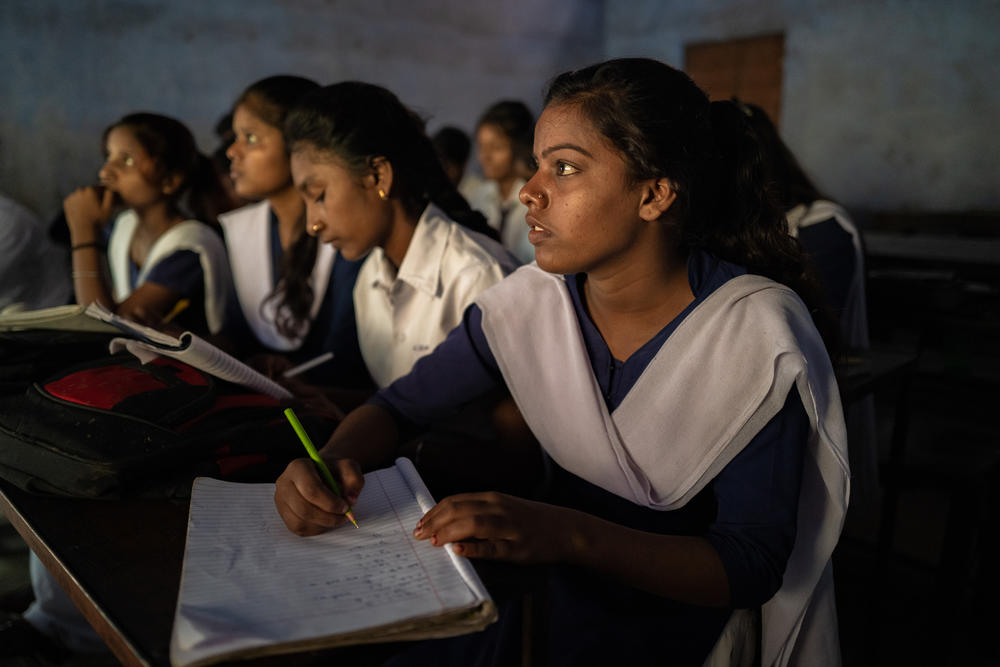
{"points": [[147, 343], [144, 342], [57, 318], [249, 587]]}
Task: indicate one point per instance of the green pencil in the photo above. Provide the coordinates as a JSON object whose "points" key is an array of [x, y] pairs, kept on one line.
{"points": [[314, 455]]}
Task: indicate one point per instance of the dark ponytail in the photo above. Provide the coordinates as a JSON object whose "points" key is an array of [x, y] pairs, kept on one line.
{"points": [[358, 122], [172, 147], [788, 180], [664, 127], [270, 100]]}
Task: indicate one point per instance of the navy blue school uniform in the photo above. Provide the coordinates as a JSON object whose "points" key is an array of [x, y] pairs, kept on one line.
{"points": [[592, 618], [180, 272]]}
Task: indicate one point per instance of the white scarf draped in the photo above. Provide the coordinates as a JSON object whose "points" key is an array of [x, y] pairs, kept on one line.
{"points": [[716, 381], [188, 235], [248, 236]]}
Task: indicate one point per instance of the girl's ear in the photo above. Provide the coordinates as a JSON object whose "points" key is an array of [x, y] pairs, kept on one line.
{"points": [[380, 176], [172, 182], [657, 197]]}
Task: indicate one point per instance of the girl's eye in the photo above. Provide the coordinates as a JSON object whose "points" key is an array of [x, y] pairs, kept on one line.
{"points": [[129, 161], [563, 169], [252, 139], [320, 197]]}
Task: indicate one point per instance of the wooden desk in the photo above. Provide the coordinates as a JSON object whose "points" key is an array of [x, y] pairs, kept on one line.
{"points": [[120, 562]]}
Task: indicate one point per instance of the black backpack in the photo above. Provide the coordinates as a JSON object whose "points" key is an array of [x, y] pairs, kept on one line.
{"points": [[116, 428]]}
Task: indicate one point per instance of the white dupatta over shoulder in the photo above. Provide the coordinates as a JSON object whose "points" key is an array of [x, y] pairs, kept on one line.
{"points": [[248, 237], [187, 235], [716, 381]]}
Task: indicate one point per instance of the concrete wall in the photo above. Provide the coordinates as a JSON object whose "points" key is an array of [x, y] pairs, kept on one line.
{"points": [[888, 104], [72, 67]]}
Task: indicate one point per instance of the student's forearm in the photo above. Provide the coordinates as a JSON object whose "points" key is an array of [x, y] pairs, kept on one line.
{"points": [[686, 569], [88, 278], [368, 435]]}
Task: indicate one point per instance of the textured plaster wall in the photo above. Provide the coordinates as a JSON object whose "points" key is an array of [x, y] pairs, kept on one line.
{"points": [[888, 104], [72, 66]]}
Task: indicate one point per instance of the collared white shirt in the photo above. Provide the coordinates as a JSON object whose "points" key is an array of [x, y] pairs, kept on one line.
{"points": [[403, 315]]}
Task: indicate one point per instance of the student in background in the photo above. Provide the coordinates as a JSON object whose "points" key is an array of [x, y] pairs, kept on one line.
{"points": [[453, 148], [661, 353], [293, 296], [503, 145], [163, 247], [158, 252], [824, 229], [34, 271], [833, 243], [375, 190]]}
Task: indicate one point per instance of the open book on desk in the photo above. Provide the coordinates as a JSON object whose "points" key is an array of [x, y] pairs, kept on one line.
{"points": [[147, 343], [57, 318], [249, 587]]}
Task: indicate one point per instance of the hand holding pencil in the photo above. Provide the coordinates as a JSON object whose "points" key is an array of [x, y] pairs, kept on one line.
{"points": [[321, 467]]}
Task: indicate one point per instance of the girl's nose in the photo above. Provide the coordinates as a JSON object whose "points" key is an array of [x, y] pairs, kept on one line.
{"points": [[532, 193]]}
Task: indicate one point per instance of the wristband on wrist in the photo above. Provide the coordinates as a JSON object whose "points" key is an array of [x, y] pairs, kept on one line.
{"points": [[85, 274]]}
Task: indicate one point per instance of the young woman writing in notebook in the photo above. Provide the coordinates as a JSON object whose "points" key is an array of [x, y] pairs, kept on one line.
{"points": [[663, 354]]}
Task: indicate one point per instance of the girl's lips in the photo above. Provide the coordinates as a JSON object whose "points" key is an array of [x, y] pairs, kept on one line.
{"points": [[537, 233]]}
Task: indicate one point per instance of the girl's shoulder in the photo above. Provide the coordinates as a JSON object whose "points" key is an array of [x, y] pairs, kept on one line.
{"points": [[259, 211]]}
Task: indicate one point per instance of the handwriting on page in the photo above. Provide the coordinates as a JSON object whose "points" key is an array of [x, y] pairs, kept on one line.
{"points": [[247, 573]]}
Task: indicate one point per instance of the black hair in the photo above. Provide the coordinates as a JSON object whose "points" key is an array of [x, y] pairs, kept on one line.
{"points": [[270, 100], [452, 145], [517, 123], [173, 150], [664, 126], [357, 122], [788, 181]]}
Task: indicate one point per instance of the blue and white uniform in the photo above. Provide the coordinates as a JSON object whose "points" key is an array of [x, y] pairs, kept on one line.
{"points": [[255, 255], [726, 424]]}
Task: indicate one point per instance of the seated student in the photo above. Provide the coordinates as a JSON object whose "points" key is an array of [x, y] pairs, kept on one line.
{"points": [[34, 271], [824, 229], [453, 148], [503, 145], [661, 353], [293, 294], [160, 249], [159, 252], [374, 189], [833, 244]]}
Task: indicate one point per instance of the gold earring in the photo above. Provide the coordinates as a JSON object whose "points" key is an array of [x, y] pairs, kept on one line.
{"points": [[382, 194], [315, 228]]}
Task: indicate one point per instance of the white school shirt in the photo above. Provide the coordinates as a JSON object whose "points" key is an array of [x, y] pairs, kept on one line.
{"points": [[506, 215], [187, 235], [34, 271], [248, 237], [403, 315], [716, 381]]}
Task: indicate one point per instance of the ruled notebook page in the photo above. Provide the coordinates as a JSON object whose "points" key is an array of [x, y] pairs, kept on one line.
{"points": [[247, 581]]}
